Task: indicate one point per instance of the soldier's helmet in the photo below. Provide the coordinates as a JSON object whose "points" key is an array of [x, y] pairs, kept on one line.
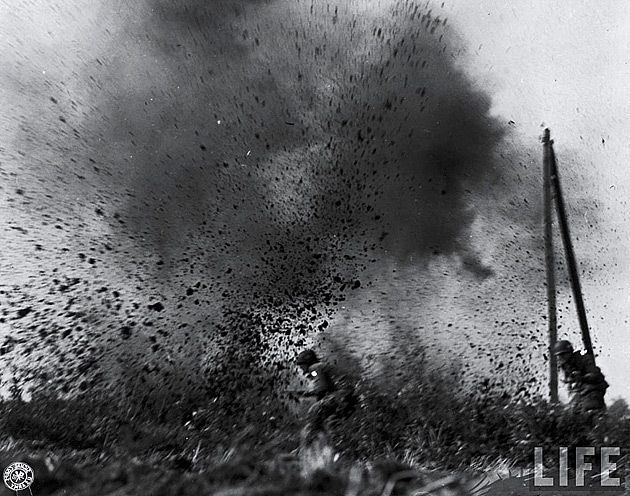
{"points": [[306, 357], [562, 347]]}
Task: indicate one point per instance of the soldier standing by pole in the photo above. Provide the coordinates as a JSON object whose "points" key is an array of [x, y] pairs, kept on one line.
{"points": [[587, 385]]}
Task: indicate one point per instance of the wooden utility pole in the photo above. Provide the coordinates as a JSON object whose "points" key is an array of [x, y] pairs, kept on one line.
{"points": [[549, 264], [553, 194], [574, 275]]}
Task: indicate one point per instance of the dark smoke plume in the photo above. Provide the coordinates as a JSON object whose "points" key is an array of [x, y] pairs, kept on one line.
{"points": [[257, 163]]}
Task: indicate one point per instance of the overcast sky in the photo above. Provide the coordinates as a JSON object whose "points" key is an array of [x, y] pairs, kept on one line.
{"points": [[567, 66]]}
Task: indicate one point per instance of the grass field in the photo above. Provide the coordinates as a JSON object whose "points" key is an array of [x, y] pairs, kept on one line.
{"points": [[104, 445]]}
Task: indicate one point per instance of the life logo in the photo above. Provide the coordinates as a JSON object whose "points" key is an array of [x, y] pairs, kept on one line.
{"points": [[18, 476]]}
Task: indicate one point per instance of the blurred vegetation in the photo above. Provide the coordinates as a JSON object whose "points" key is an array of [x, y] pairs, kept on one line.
{"points": [[253, 437]]}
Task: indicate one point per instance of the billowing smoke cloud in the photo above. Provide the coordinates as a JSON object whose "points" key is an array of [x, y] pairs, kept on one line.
{"points": [[256, 93], [253, 164]]}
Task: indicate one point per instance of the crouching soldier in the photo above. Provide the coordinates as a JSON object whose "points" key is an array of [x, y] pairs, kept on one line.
{"points": [[334, 400], [587, 385]]}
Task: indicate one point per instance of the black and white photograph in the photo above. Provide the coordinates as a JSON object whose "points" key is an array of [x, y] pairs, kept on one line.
{"points": [[314, 247]]}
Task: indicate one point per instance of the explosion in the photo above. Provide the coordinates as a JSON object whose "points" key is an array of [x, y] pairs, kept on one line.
{"points": [[217, 185]]}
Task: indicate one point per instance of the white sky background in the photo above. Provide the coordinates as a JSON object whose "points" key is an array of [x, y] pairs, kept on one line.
{"points": [[567, 65]]}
